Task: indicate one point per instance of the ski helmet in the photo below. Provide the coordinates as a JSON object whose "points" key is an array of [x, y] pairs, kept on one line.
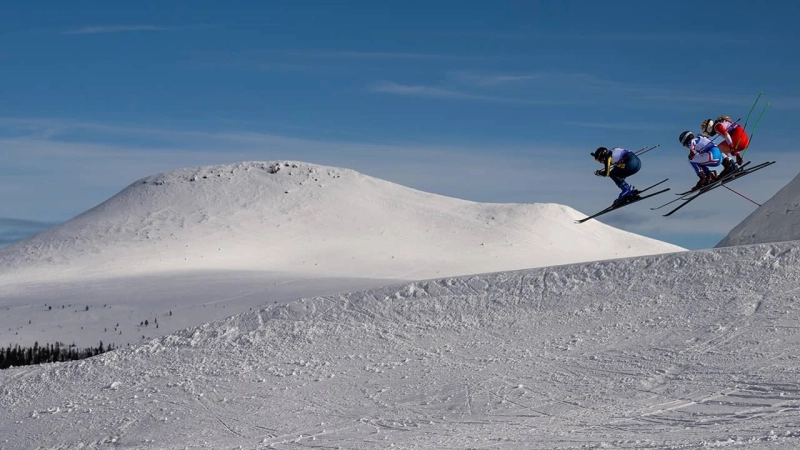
{"points": [[685, 138], [708, 127], [601, 154]]}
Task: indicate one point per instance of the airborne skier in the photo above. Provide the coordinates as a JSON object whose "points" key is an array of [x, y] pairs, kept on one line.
{"points": [[618, 164], [703, 153], [735, 139]]}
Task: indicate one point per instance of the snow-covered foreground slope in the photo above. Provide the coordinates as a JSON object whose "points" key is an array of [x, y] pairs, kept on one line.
{"points": [[114, 310], [683, 350], [210, 242], [778, 219]]}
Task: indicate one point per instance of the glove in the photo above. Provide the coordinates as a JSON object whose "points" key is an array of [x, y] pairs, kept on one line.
{"points": [[600, 172], [691, 154]]}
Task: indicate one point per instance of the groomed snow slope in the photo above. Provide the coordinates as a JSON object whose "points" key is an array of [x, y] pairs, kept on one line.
{"points": [[685, 350], [778, 219], [308, 219]]}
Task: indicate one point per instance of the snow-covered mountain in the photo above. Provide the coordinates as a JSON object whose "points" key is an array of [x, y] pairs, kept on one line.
{"points": [[684, 350], [190, 246], [776, 220], [296, 217]]}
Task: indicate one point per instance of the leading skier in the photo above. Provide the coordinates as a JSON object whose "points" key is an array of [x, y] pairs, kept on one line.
{"points": [[618, 164]]}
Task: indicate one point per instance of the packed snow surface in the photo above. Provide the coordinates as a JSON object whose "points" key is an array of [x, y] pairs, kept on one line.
{"points": [[189, 246], [778, 219], [683, 350]]}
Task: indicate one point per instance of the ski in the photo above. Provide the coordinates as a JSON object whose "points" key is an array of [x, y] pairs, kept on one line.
{"points": [[668, 203], [727, 178], [724, 181], [635, 199], [682, 194]]}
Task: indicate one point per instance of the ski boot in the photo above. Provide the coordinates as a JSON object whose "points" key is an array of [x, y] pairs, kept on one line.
{"points": [[628, 193], [705, 179], [739, 159], [729, 165]]}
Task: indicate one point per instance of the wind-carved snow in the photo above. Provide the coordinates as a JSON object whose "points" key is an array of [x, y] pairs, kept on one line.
{"points": [[778, 219], [684, 350], [190, 246]]}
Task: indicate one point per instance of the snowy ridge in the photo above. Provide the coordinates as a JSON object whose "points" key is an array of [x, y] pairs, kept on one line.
{"points": [[308, 219], [777, 220], [631, 353]]}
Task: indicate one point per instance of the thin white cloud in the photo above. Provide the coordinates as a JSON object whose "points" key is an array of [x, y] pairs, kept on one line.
{"points": [[385, 55], [615, 126], [552, 80], [680, 37], [586, 84], [494, 79], [389, 87], [104, 29]]}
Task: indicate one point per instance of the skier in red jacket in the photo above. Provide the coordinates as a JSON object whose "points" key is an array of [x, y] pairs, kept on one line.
{"points": [[734, 135]]}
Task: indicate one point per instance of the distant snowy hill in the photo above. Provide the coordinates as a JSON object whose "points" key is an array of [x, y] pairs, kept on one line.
{"points": [[14, 230], [777, 220], [296, 217]]}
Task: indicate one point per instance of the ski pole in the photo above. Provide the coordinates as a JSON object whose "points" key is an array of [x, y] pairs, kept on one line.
{"points": [[646, 149], [740, 195], [755, 126], [747, 119], [758, 120], [751, 108]]}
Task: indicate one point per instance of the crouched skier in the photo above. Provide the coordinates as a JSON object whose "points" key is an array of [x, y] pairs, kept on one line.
{"points": [[619, 163]]}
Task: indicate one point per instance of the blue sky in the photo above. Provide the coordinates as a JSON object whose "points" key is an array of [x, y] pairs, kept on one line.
{"points": [[494, 102]]}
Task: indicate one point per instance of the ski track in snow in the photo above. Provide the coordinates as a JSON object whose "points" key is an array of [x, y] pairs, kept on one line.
{"points": [[685, 350]]}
